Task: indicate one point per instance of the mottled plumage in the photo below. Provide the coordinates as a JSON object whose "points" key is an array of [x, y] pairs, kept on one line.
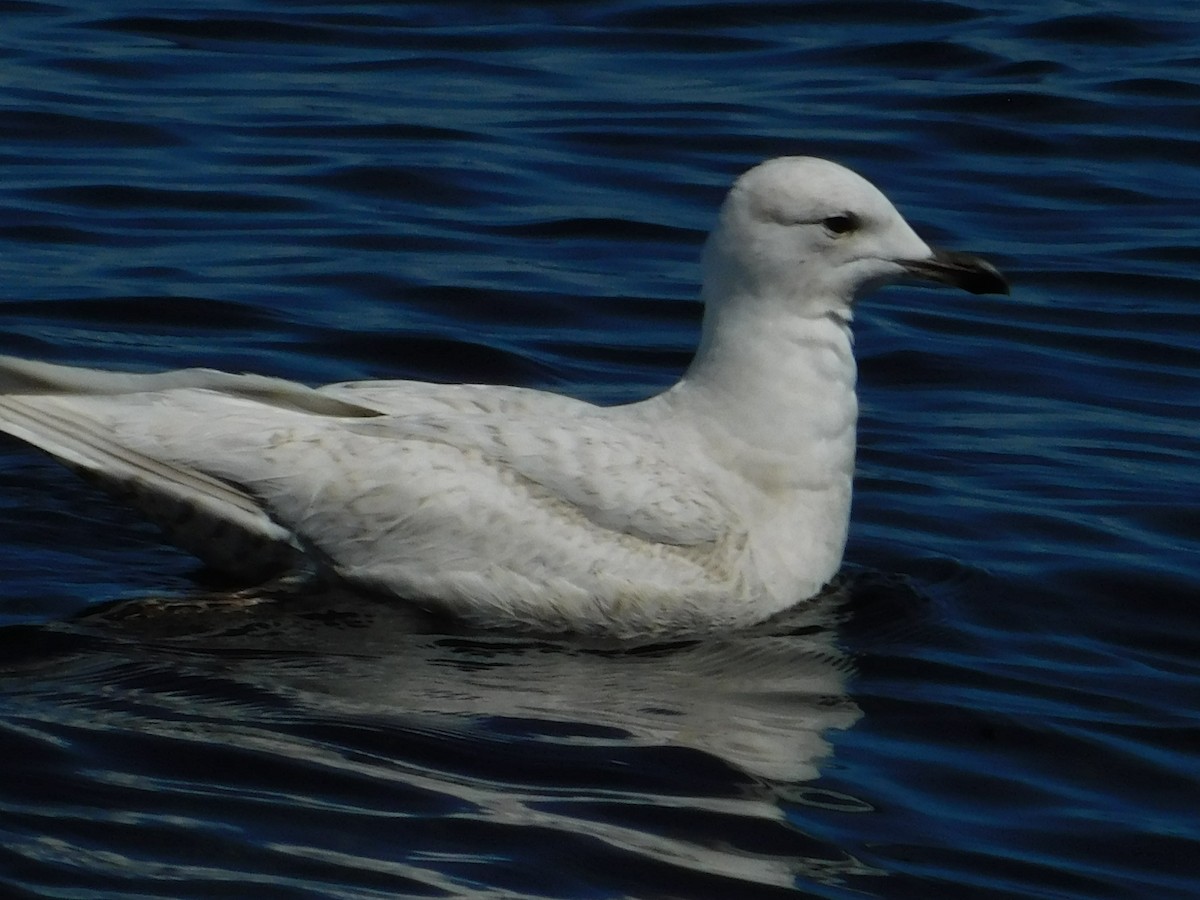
{"points": [[715, 504]]}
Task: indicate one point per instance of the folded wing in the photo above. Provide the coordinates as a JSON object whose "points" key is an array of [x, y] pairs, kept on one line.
{"points": [[484, 496]]}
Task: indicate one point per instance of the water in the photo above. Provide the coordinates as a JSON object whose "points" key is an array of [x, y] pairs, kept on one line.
{"points": [[1000, 699]]}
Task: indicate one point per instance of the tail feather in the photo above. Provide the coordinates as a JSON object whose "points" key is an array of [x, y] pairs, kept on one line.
{"points": [[214, 520], [30, 377]]}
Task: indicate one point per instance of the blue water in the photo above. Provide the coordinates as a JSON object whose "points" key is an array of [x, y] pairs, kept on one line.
{"points": [[1000, 700]]}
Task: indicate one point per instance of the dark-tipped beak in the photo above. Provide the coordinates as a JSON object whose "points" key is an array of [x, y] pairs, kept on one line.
{"points": [[960, 270]]}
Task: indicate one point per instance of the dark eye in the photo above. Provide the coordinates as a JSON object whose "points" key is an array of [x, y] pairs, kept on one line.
{"points": [[842, 224]]}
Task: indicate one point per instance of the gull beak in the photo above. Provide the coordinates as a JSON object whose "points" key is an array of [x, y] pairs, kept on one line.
{"points": [[961, 270]]}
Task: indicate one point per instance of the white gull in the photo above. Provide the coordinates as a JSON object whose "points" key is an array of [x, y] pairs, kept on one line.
{"points": [[715, 504]]}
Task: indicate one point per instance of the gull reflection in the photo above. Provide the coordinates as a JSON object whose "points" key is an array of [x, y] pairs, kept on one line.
{"points": [[541, 736]]}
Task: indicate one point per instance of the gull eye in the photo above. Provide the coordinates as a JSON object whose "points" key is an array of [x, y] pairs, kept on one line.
{"points": [[843, 224]]}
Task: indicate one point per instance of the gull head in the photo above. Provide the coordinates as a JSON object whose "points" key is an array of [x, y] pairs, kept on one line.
{"points": [[814, 236]]}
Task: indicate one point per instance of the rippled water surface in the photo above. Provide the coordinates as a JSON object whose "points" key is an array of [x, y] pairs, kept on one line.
{"points": [[1000, 698]]}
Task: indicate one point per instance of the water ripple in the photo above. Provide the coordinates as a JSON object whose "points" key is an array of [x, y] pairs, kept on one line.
{"points": [[999, 701]]}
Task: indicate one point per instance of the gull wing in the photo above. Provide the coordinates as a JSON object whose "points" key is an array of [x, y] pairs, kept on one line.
{"points": [[247, 472], [612, 468]]}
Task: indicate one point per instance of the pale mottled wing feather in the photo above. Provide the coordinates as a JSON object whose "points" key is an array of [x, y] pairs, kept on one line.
{"points": [[619, 478], [609, 463]]}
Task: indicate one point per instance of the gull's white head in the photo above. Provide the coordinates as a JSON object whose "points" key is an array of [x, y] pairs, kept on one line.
{"points": [[815, 236]]}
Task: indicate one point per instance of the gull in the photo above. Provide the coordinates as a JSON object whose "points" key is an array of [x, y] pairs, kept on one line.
{"points": [[711, 506]]}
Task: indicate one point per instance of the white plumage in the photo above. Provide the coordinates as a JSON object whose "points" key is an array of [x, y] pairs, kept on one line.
{"points": [[715, 504]]}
